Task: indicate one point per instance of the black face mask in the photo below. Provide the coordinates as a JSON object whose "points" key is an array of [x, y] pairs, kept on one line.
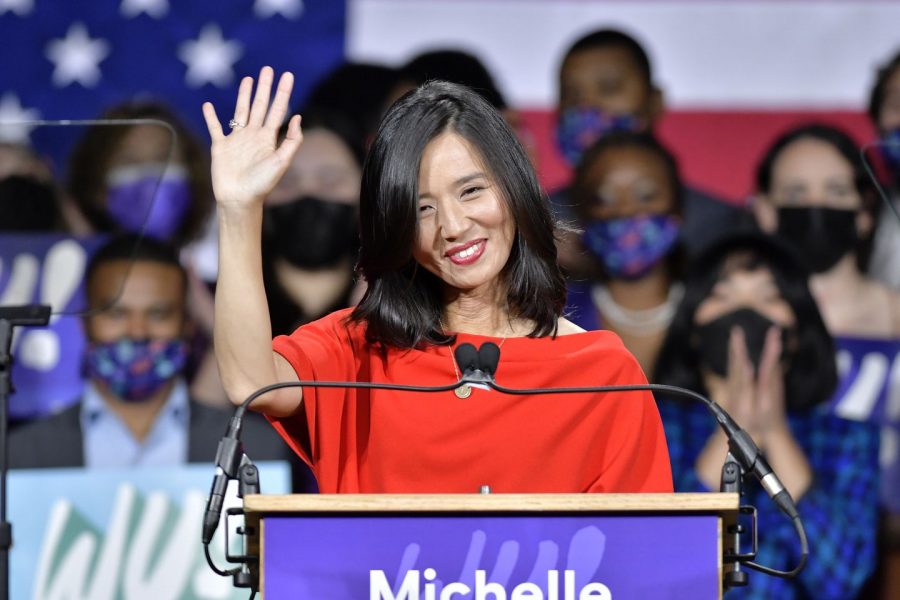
{"points": [[713, 338], [27, 204], [312, 233], [821, 235]]}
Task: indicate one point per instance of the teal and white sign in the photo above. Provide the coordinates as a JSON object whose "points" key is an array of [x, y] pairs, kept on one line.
{"points": [[109, 534]]}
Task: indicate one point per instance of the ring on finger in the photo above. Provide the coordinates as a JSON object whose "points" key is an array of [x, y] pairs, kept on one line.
{"points": [[234, 123]]}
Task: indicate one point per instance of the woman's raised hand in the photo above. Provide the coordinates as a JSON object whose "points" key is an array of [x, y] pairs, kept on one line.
{"points": [[248, 162]]}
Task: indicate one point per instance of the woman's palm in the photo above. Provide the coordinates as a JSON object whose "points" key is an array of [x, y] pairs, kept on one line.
{"points": [[248, 162]]}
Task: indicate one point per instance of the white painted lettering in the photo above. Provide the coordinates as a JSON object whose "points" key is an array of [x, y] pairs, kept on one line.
{"points": [[379, 589], [595, 591], [482, 588], [527, 591], [453, 589]]}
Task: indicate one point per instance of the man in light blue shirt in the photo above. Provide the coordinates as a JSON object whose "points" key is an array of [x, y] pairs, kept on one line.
{"points": [[135, 410]]}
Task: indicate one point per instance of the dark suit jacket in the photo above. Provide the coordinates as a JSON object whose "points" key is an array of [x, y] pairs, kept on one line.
{"points": [[58, 441]]}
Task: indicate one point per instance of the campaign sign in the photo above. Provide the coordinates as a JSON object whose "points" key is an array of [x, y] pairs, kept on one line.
{"points": [[491, 557], [130, 534], [46, 269]]}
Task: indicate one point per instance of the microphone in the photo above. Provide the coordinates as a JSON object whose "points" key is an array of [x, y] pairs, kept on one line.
{"points": [[489, 358], [466, 359], [741, 445], [229, 455], [745, 450], [739, 441], [478, 367], [471, 365]]}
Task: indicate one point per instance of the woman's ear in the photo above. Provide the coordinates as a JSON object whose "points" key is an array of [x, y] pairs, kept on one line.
{"points": [[764, 212]]}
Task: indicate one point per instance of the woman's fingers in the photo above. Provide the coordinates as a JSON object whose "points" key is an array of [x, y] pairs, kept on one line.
{"points": [[212, 121], [291, 142], [770, 376], [261, 101], [242, 106], [282, 99]]}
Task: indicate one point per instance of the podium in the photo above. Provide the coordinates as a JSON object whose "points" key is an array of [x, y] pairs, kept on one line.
{"points": [[490, 546]]}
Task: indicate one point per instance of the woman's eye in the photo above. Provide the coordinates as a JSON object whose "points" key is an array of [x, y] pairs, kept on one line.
{"points": [[472, 190], [425, 208]]}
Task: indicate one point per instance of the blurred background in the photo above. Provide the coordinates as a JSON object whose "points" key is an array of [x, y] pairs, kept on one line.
{"points": [[733, 73]]}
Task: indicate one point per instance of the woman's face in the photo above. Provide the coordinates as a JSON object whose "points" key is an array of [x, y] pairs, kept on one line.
{"points": [[743, 288], [625, 182], [145, 144], [465, 230], [812, 172], [324, 167]]}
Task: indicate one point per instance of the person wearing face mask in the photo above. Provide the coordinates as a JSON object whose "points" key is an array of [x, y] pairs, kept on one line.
{"points": [[628, 199], [748, 335], [311, 226], [814, 193], [136, 409], [884, 112], [606, 85], [135, 178]]}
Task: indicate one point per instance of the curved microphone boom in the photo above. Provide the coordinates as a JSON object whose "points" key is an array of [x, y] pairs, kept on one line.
{"points": [[478, 367]]}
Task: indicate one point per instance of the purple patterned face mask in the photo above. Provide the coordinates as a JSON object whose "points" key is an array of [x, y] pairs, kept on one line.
{"points": [[580, 126], [153, 193], [630, 247], [134, 370]]}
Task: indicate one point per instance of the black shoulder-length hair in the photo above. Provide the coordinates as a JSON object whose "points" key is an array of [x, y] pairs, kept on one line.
{"points": [[844, 145], [811, 375], [403, 304]]}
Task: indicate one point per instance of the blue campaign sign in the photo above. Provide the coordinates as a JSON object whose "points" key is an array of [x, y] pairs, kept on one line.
{"points": [[109, 534]]}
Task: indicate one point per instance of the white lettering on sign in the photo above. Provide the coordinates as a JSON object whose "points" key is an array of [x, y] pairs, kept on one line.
{"points": [[412, 588]]}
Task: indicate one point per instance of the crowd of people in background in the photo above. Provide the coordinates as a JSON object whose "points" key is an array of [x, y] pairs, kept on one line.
{"points": [[785, 311]]}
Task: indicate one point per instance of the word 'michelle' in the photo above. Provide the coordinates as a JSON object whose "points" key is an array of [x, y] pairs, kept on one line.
{"points": [[412, 589]]}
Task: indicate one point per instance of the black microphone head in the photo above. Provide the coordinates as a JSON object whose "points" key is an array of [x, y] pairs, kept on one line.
{"points": [[489, 358], [466, 357]]}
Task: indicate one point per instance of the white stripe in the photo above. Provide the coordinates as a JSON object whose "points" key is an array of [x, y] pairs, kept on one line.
{"points": [[706, 54], [862, 395]]}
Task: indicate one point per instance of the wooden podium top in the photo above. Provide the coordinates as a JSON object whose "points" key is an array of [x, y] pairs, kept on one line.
{"points": [[519, 503]]}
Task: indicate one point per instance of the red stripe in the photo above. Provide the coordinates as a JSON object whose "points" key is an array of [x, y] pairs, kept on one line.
{"points": [[717, 150]]}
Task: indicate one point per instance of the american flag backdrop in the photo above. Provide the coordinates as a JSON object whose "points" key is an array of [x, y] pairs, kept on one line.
{"points": [[734, 73], [70, 60]]}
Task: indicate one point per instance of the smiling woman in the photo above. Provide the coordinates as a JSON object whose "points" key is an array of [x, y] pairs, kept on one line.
{"points": [[456, 245]]}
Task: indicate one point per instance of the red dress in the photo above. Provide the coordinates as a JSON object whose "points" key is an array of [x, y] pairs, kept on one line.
{"points": [[375, 441]]}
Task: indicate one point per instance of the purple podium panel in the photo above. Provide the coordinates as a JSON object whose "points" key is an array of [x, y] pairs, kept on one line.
{"points": [[491, 557]]}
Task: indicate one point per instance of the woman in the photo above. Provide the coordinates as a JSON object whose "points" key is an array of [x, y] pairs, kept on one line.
{"points": [[129, 178], [628, 198], [813, 191], [456, 246], [748, 335], [311, 225]]}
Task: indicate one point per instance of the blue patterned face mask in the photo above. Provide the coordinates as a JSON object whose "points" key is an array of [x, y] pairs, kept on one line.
{"points": [[580, 126], [134, 370], [629, 248], [159, 195]]}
